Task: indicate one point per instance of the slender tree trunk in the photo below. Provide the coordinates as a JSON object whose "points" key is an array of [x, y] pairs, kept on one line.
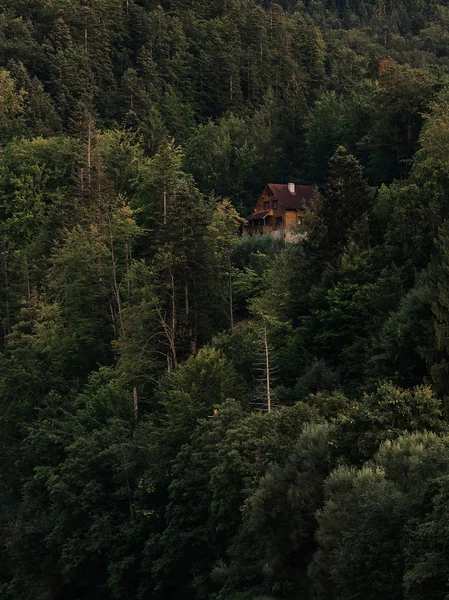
{"points": [[116, 288], [128, 488], [168, 323], [113, 318], [267, 367], [27, 275], [193, 326], [86, 47], [82, 179], [7, 307], [131, 508], [89, 151], [136, 404], [128, 266], [231, 303], [165, 200], [188, 319], [173, 323]]}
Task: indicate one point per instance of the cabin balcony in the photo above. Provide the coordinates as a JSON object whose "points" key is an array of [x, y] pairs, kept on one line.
{"points": [[263, 222], [260, 222]]}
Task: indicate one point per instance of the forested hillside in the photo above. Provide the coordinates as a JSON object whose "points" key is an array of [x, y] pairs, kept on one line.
{"points": [[188, 412]]}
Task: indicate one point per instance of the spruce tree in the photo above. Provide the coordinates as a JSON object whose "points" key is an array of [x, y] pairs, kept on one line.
{"points": [[347, 198]]}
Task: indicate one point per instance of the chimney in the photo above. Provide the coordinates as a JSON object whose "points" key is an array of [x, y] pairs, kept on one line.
{"points": [[292, 188]]}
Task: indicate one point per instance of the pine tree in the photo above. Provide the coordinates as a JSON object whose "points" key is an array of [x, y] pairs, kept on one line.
{"points": [[346, 199], [439, 356], [223, 236]]}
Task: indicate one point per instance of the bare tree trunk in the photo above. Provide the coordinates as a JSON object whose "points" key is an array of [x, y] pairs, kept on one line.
{"points": [[190, 322], [116, 289], [27, 275], [113, 318], [136, 404], [168, 323], [89, 151], [128, 487], [192, 328], [267, 366], [165, 201], [128, 266], [231, 303], [7, 307], [85, 31], [172, 329], [122, 460]]}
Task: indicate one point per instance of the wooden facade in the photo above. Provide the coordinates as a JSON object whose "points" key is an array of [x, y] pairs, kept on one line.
{"points": [[281, 206]]}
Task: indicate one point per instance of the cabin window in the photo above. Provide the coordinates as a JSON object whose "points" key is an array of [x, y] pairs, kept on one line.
{"points": [[275, 204], [299, 219], [266, 205]]}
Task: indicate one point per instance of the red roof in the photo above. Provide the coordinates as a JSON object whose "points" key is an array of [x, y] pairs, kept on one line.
{"points": [[301, 199]]}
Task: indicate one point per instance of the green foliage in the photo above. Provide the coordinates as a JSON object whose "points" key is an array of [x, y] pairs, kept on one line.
{"points": [[402, 96], [190, 393], [190, 543], [347, 307], [272, 549], [84, 468], [11, 107], [438, 359], [400, 350], [384, 415], [187, 411], [409, 214], [367, 515]]}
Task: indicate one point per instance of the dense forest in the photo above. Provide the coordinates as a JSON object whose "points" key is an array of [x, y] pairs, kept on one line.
{"points": [[188, 412]]}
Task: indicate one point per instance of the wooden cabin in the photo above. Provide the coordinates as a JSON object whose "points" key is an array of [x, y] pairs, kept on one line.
{"points": [[281, 206]]}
